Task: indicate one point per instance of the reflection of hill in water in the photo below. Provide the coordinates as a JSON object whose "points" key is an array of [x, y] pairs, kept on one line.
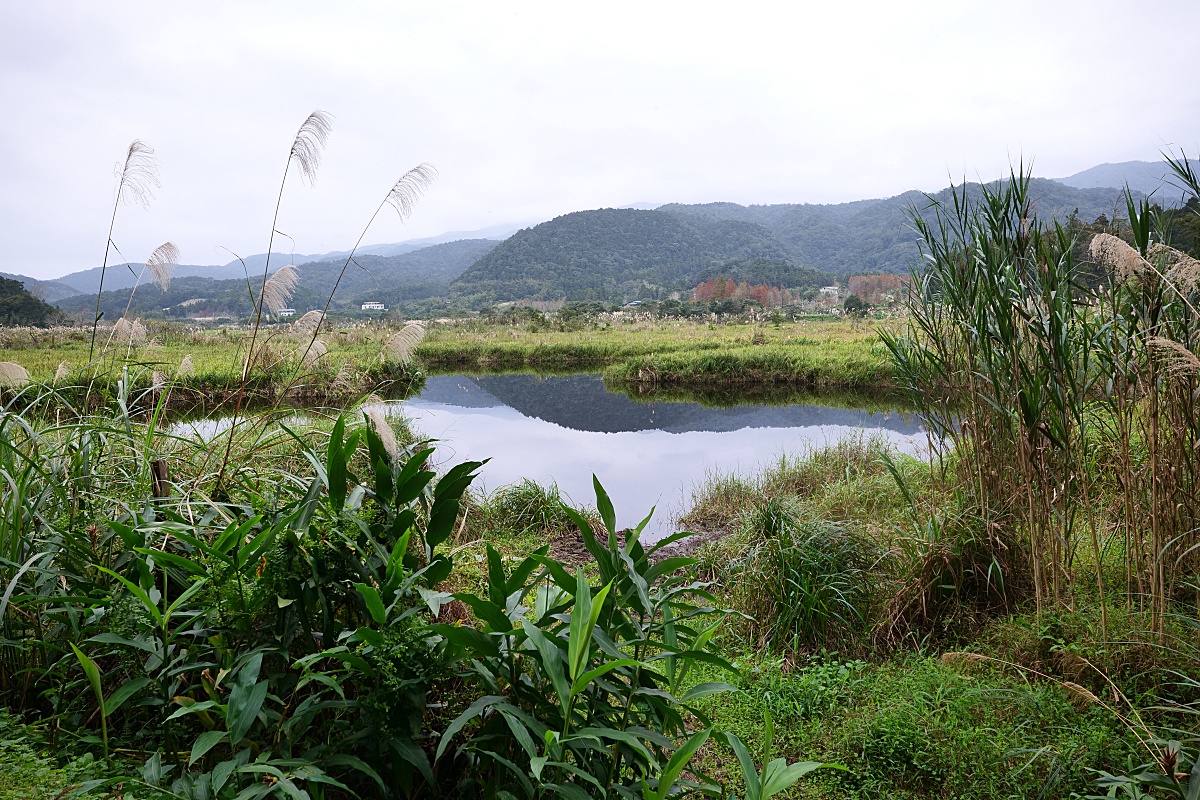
{"points": [[581, 402]]}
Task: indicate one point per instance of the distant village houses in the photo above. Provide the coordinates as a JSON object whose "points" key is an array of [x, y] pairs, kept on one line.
{"points": [[373, 306]]}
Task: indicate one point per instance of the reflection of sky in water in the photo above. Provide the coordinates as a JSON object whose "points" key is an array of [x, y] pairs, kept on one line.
{"points": [[638, 469]]}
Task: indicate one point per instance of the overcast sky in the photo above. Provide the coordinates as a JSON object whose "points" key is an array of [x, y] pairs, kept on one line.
{"points": [[531, 110]]}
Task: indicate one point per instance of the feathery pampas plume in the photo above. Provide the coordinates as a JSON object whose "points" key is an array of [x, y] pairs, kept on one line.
{"points": [[1118, 255], [404, 343], [137, 174], [12, 374], [63, 372], [405, 193], [316, 351], [128, 331], [309, 144], [162, 264], [308, 322], [344, 380], [277, 291], [157, 380], [384, 431], [1178, 359], [1182, 270], [185, 367]]}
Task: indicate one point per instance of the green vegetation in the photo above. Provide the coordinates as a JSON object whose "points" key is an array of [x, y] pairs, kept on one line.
{"points": [[19, 307], [868, 236], [622, 254], [200, 371], [673, 353], [392, 280]]}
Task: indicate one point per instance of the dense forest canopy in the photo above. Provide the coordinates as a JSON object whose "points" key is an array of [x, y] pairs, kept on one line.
{"points": [[19, 307]]}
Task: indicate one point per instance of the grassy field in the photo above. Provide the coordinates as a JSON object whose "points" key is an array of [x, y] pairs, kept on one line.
{"points": [[819, 352]]}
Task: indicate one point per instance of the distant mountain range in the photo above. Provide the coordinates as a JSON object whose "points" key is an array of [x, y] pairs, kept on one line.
{"points": [[412, 276], [606, 254]]}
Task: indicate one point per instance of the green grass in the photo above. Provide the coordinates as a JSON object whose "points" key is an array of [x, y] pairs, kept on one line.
{"points": [[674, 353], [915, 727]]}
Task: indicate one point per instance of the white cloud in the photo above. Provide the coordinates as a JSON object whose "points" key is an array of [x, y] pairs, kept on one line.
{"points": [[535, 109]]}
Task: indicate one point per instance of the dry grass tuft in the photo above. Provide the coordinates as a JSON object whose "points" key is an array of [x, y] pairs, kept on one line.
{"points": [[1178, 360], [313, 353], [162, 264], [277, 291], [308, 323], [403, 344], [63, 372], [137, 174], [309, 144], [185, 367], [1119, 256], [12, 374], [405, 193], [127, 332], [384, 431]]}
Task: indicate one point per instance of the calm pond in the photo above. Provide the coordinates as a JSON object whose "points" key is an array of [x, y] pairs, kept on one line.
{"points": [[562, 429]]}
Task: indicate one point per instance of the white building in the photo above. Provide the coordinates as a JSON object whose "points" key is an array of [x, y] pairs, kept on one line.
{"points": [[831, 291], [285, 312], [373, 306]]}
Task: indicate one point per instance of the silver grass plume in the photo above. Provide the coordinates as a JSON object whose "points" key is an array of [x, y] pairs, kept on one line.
{"points": [[384, 431], [1179, 360], [309, 144], [403, 344], [1182, 270], [185, 367], [316, 351], [162, 264], [63, 372], [278, 289], [137, 174], [405, 193], [12, 374], [309, 322], [1118, 255], [344, 380], [157, 380], [127, 331]]}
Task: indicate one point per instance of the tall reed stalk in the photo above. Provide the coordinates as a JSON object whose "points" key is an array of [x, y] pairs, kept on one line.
{"points": [[1050, 392]]}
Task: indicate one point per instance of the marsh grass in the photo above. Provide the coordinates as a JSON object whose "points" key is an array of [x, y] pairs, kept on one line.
{"points": [[848, 479]]}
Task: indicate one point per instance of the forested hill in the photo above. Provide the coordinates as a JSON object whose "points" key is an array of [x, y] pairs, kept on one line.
{"points": [[412, 276], [19, 307], [875, 235], [619, 254], [613, 254]]}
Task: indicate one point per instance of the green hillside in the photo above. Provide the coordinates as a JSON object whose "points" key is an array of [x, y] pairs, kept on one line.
{"points": [[617, 254], [393, 280], [874, 235], [19, 307]]}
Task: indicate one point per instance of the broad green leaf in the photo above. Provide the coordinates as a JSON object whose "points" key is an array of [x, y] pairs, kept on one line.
{"points": [[706, 689], [605, 507], [374, 604], [205, 742], [779, 775], [245, 699], [93, 675], [150, 606], [474, 710], [551, 663], [123, 692], [586, 678], [679, 760]]}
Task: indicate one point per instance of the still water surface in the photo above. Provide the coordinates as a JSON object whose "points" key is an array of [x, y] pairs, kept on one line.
{"points": [[563, 429]]}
